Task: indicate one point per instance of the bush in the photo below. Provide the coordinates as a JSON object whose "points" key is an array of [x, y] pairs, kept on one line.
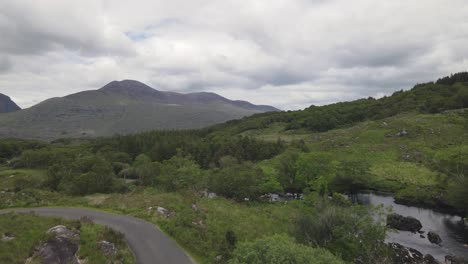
{"points": [[351, 232], [238, 181], [280, 249]]}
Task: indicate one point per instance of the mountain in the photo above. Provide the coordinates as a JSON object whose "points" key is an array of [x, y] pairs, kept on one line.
{"points": [[122, 107], [7, 105]]}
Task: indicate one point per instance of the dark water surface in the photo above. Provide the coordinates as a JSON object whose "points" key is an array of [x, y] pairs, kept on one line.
{"points": [[450, 228]]}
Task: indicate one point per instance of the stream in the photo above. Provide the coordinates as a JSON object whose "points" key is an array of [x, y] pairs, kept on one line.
{"points": [[451, 228]]}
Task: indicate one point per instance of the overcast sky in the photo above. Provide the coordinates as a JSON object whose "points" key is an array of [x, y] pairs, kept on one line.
{"points": [[285, 53]]}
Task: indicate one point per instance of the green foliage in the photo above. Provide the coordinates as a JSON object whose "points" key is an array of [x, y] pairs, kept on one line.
{"points": [[86, 175], [287, 170], [423, 98], [351, 176], [350, 231], [280, 249], [181, 173], [204, 149], [238, 181], [30, 230], [316, 170], [458, 193]]}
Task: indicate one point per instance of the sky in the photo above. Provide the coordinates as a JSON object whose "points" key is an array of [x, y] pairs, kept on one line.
{"points": [[286, 53]]}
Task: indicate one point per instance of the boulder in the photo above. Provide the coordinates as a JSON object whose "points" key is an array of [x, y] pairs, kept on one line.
{"points": [[403, 223], [107, 248], [59, 249], [164, 212], [455, 260], [434, 238], [7, 237], [405, 255]]}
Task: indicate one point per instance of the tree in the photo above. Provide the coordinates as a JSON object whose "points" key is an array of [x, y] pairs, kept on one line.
{"points": [[316, 170], [280, 249], [287, 170], [238, 181], [86, 175], [181, 173], [351, 176]]}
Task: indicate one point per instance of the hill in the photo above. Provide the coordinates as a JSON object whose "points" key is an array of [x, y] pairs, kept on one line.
{"points": [[7, 105], [122, 107], [447, 93]]}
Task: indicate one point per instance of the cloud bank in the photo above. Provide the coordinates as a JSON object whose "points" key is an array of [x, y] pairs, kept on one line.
{"points": [[285, 53]]}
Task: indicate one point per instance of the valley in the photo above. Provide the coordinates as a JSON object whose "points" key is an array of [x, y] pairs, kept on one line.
{"points": [[203, 187]]}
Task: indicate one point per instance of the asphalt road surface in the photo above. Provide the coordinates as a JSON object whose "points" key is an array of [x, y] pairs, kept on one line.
{"points": [[149, 244]]}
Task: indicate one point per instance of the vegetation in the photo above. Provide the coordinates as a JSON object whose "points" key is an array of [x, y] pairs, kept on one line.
{"points": [[409, 143], [30, 230], [280, 249]]}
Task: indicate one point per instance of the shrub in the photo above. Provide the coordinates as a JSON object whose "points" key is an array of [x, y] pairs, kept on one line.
{"points": [[280, 249]]}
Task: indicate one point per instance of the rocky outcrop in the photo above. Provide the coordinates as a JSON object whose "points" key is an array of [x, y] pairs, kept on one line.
{"points": [[61, 248], [107, 248], [434, 238], [403, 223], [455, 260], [404, 255]]}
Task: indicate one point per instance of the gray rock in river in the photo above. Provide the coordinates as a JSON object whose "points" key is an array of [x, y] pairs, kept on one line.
{"points": [[434, 238], [403, 223], [455, 260], [405, 255]]}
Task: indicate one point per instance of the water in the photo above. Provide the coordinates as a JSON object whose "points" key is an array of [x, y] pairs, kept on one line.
{"points": [[450, 228]]}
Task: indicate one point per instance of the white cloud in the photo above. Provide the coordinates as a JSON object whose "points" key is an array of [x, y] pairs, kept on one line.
{"points": [[287, 53]]}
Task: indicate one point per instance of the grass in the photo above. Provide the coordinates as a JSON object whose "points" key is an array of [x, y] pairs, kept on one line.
{"points": [[30, 230]]}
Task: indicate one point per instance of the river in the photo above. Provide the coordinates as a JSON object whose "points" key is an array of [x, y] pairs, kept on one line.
{"points": [[451, 228]]}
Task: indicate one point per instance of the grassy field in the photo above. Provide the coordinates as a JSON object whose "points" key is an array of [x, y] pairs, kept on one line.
{"points": [[396, 162], [30, 230]]}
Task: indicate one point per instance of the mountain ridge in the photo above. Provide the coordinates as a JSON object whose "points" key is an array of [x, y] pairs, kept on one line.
{"points": [[122, 107], [7, 105]]}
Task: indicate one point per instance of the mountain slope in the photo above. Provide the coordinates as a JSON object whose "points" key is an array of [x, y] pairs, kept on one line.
{"points": [[122, 107], [7, 105], [445, 94]]}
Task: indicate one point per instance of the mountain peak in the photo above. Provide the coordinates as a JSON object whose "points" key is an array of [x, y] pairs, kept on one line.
{"points": [[7, 105], [129, 87]]}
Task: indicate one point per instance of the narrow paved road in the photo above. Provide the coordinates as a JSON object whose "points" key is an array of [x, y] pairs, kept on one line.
{"points": [[149, 244]]}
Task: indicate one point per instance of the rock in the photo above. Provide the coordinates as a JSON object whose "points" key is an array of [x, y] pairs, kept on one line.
{"points": [[455, 260], [163, 212], [59, 249], [63, 231], [7, 237], [107, 248], [429, 259], [218, 259], [402, 133], [403, 223], [434, 238], [194, 207], [421, 236], [405, 255]]}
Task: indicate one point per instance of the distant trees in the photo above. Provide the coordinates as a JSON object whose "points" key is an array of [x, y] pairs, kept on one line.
{"points": [[86, 175], [453, 78]]}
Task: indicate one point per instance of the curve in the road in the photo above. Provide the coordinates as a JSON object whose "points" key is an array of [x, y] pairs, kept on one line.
{"points": [[149, 244]]}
